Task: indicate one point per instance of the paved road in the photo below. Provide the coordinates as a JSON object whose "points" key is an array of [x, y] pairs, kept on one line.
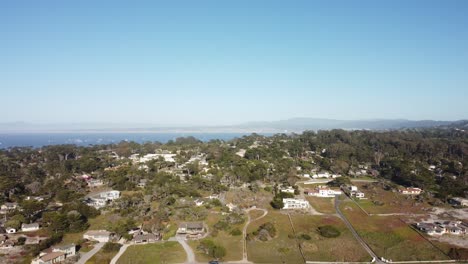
{"points": [[188, 251], [120, 253], [353, 231], [86, 256]]}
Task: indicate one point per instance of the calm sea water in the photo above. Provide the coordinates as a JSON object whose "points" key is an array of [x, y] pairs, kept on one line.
{"points": [[86, 139]]}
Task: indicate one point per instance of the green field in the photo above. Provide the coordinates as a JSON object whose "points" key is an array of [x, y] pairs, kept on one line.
{"points": [[280, 248], [321, 204], [390, 237], [342, 248], [167, 252]]}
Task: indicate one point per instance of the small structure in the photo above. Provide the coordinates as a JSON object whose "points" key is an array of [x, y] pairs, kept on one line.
{"points": [[29, 227], [410, 191], [231, 207], [191, 229], [199, 202], [110, 195], [97, 235], [50, 258], [458, 201], [290, 203]]}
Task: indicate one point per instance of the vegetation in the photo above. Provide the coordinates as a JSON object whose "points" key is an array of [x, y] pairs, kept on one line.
{"points": [[328, 231]]}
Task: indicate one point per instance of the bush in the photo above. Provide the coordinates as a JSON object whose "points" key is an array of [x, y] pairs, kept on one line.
{"points": [[305, 237], [277, 203], [236, 232], [111, 247], [328, 231], [268, 189]]}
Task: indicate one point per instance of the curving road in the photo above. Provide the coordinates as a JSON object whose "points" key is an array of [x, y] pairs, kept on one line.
{"points": [[354, 232]]}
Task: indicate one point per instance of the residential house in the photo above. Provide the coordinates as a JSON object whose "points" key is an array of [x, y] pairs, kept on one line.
{"points": [[34, 240], [69, 250], [50, 258], [146, 238], [441, 228], [290, 203], [323, 191], [98, 235], [410, 191], [29, 227], [9, 207], [288, 189], [191, 229], [94, 183], [110, 195], [142, 183]]}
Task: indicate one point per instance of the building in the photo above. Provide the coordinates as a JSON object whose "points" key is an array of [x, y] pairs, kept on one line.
{"points": [[94, 183], [290, 203], [191, 229], [29, 227], [440, 228], [110, 195], [323, 191], [142, 183], [146, 238], [410, 191], [458, 201], [288, 189], [9, 206], [359, 195], [69, 250], [98, 235], [50, 258]]}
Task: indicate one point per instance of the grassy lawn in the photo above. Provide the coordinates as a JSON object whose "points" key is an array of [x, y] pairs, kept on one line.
{"points": [[280, 248], [167, 252], [392, 202], [342, 248], [254, 214], [322, 205], [232, 244], [390, 237], [102, 221], [101, 257]]}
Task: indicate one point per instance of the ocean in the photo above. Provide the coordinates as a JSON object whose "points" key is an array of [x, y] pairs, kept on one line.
{"points": [[86, 139]]}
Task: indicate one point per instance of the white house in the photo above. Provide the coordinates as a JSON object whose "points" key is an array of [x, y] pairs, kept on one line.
{"points": [[290, 203], [323, 191], [97, 235], [231, 206], [29, 227], [69, 250], [199, 202], [288, 189], [110, 195], [353, 188], [9, 206], [359, 195], [95, 183], [411, 191], [50, 258]]}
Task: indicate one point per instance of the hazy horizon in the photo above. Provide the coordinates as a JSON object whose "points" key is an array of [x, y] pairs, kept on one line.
{"points": [[212, 63]]}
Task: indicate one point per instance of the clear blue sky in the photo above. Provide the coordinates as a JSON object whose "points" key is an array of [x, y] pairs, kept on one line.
{"points": [[225, 62]]}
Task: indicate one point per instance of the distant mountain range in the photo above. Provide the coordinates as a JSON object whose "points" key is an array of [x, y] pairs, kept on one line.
{"points": [[289, 125]]}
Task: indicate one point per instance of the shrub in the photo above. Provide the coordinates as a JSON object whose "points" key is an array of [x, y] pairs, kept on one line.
{"points": [[236, 232], [328, 231], [305, 237]]}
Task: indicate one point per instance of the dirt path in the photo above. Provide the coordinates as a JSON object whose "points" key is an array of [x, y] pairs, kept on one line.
{"points": [[244, 232]]}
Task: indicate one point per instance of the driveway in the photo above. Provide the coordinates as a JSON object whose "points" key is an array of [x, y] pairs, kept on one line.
{"points": [[86, 256], [120, 253], [188, 250]]}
